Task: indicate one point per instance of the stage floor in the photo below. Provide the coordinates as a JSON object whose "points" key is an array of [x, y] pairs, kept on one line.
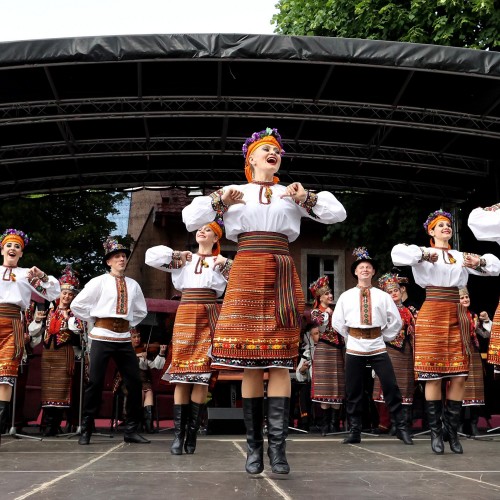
{"points": [[321, 467]]}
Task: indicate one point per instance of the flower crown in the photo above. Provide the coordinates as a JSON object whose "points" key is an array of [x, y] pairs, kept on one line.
{"points": [[17, 232], [361, 253], [320, 286], [435, 214], [257, 136], [391, 280]]}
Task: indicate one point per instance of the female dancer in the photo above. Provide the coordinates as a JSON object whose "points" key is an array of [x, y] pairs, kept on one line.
{"points": [[259, 324]]}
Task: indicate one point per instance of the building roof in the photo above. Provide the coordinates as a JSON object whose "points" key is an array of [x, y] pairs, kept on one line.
{"points": [[163, 111]]}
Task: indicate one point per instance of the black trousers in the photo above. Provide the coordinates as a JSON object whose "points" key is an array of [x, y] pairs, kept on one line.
{"points": [[354, 372], [125, 358]]}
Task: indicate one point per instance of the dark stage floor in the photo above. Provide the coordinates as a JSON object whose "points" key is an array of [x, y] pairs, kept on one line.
{"points": [[322, 468]]}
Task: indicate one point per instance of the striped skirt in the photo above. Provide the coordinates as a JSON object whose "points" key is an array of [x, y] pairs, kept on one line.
{"points": [[402, 363], [192, 337], [441, 336], [474, 386], [11, 340], [260, 319], [328, 374], [494, 345], [57, 376]]}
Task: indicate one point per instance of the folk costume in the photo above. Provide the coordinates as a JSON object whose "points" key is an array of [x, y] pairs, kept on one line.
{"points": [[485, 225], [259, 323], [328, 370], [442, 346], [112, 304], [16, 287], [400, 350], [58, 355], [194, 326], [368, 318]]}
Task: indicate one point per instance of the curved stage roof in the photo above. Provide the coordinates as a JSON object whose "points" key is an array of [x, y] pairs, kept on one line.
{"points": [[151, 111]]}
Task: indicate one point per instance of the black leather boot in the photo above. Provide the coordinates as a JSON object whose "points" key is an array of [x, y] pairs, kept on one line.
{"points": [[408, 417], [401, 427], [334, 425], [325, 420], [278, 409], [434, 410], [474, 419], [452, 420], [148, 419], [131, 435], [4, 409], [181, 413], [193, 426], [354, 422], [393, 430], [86, 430], [253, 415], [50, 429]]}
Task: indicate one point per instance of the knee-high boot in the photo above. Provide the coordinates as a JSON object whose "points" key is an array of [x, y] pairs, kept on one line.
{"points": [[474, 419], [148, 419], [334, 425], [401, 427], [181, 413], [434, 413], [253, 415], [4, 409], [86, 430], [355, 425], [194, 420], [452, 421], [325, 420], [277, 427]]}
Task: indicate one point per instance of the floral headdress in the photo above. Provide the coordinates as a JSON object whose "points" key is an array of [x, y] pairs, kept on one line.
{"points": [[14, 235], [362, 255], [433, 216], [69, 280], [318, 288], [389, 281], [268, 135]]}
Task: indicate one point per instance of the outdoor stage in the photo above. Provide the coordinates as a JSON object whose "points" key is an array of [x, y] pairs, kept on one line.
{"points": [[321, 467]]}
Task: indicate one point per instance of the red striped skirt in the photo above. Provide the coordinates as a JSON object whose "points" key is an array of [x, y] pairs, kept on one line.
{"points": [[494, 345], [474, 386], [328, 374], [259, 323], [57, 375], [11, 340], [441, 335], [192, 335]]}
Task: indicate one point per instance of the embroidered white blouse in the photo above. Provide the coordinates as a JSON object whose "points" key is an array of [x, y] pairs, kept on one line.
{"points": [[485, 224]]}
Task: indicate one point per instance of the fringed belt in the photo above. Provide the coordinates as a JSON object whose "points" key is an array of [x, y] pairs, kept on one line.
{"points": [[286, 304], [198, 295], [117, 325], [450, 294], [365, 333]]}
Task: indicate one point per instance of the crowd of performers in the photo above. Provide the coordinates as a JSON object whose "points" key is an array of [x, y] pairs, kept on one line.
{"points": [[257, 328]]}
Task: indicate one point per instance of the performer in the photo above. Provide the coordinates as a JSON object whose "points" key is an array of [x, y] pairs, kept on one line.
{"points": [[328, 378], [368, 318], [201, 280], [58, 356], [259, 324], [400, 349], [16, 287], [485, 225], [112, 303], [441, 330], [473, 397]]}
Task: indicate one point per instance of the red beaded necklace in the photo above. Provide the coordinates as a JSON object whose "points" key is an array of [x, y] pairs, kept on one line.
{"points": [[265, 188]]}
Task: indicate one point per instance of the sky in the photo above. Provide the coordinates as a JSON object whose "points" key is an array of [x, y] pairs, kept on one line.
{"points": [[37, 19]]}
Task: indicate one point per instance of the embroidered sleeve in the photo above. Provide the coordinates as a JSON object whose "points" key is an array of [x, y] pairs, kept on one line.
{"points": [[493, 208], [176, 262], [226, 268], [36, 283], [426, 255], [309, 203], [220, 208]]}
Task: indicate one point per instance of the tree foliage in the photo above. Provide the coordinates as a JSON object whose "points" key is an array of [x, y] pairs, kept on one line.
{"points": [[66, 228], [472, 24]]}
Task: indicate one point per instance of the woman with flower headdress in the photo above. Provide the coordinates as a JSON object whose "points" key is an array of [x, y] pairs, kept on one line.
{"points": [[201, 280], [259, 324], [58, 356], [328, 378], [442, 346], [16, 287], [400, 349]]}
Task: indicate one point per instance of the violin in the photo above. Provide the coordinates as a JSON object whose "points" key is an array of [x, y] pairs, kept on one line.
{"points": [[152, 349]]}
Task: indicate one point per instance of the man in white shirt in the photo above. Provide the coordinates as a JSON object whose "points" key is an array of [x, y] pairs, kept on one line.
{"points": [[368, 318]]}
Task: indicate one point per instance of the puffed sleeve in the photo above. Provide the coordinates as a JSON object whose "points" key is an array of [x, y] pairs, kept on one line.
{"points": [[324, 207], [199, 212], [394, 321], [82, 304], [485, 224], [338, 318], [160, 257], [406, 255]]}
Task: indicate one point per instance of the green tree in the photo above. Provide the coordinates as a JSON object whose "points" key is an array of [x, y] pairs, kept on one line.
{"points": [[473, 24], [66, 228]]}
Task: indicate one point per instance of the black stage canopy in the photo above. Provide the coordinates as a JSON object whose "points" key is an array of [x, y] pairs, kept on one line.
{"points": [[160, 111]]}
